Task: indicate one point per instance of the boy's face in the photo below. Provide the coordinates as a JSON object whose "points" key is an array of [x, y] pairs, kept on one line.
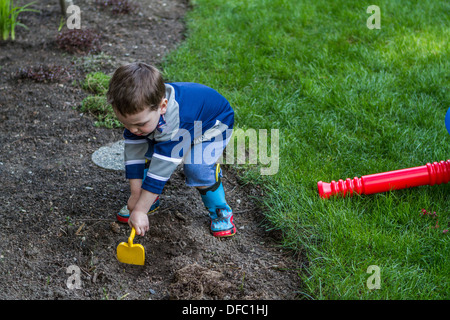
{"points": [[144, 122]]}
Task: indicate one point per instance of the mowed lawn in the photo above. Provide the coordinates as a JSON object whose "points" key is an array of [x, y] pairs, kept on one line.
{"points": [[347, 101]]}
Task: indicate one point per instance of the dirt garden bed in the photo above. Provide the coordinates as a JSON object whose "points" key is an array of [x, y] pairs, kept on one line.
{"points": [[58, 207]]}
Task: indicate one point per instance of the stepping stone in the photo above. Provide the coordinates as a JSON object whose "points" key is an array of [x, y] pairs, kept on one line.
{"points": [[110, 156]]}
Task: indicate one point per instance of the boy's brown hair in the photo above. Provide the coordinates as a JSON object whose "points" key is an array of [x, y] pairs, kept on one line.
{"points": [[135, 87]]}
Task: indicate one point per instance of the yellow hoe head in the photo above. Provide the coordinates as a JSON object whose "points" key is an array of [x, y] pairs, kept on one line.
{"points": [[131, 253]]}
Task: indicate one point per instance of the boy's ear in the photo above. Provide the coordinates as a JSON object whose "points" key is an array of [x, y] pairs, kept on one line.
{"points": [[163, 105]]}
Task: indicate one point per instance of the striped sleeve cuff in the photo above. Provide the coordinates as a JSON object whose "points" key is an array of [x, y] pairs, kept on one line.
{"points": [[154, 183], [161, 168], [135, 170]]}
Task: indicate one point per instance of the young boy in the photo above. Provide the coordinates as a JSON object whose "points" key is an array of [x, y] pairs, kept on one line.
{"points": [[166, 124]]}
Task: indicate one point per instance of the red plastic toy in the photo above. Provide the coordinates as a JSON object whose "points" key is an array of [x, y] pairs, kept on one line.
{"points": [[429, 174]]}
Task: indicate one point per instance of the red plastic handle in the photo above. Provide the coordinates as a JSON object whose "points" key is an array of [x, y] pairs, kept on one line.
{"points": [[429, 174]]}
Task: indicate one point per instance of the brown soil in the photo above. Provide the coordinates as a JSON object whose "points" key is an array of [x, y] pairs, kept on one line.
{"points": [[58, 208]]}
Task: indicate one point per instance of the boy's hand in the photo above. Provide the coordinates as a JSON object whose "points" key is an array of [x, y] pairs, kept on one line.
{"points": [[138, 217], [139, 220]]}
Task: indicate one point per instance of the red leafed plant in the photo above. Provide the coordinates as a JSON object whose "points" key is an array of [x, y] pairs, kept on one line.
{"points": [[82, 41], [44, 73]]}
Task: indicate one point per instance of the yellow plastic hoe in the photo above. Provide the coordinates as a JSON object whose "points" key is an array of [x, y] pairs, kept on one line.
{"points": [[131, 253]]}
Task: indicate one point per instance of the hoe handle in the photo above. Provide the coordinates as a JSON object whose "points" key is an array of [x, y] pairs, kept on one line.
{"points": [[429, 174], [131, 238]]}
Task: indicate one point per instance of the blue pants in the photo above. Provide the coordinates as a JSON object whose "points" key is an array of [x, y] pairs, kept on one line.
{"points": [[200, 162]]}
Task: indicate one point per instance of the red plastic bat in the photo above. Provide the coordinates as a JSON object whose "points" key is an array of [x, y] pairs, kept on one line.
{"points": [[429, 174]]}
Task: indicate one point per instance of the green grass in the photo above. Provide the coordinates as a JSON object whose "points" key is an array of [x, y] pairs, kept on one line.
{"points": [[347, 101]]}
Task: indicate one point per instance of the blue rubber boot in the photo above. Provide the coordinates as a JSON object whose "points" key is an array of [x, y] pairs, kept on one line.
{"points": [[220, 213]]}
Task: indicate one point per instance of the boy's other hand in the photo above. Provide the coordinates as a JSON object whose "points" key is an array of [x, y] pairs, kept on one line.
{"points": [[132, 201], [139, 220]]}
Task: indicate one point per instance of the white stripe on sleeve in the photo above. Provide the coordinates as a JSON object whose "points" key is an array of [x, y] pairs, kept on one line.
{"points": [[174, 160], [128, 141], [131, 162], [154, 176]]}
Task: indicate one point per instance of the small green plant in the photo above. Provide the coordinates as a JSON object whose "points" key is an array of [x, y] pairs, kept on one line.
{"points": [[68, 220], [93, 63], [105, 294], [9, 18], [96, 82], [97, 104], [62, 22]]}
